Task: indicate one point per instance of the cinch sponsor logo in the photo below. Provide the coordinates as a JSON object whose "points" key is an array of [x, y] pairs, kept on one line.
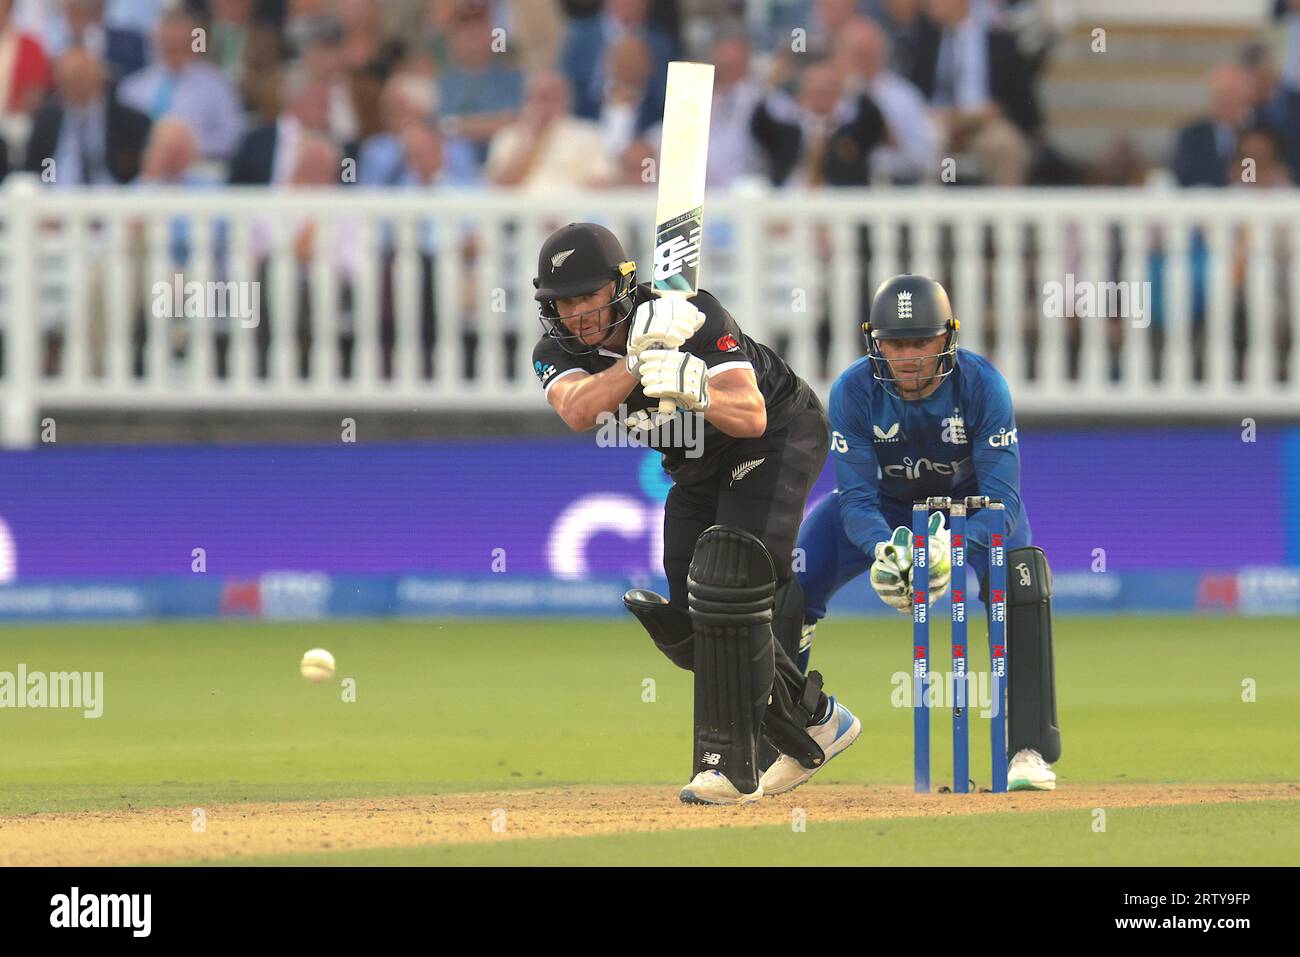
{"points": [[914, 470], [1003, 439]]}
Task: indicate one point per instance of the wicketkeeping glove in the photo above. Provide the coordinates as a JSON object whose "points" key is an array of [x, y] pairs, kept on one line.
{"points": [[679, 376], [891, 585], [891, 572]]}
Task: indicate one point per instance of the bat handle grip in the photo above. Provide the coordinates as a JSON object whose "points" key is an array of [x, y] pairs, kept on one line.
{"points": [[667, 409]]}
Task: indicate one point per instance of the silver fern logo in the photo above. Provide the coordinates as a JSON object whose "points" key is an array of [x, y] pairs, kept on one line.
{"points": [[744, 468], [558, 259]]}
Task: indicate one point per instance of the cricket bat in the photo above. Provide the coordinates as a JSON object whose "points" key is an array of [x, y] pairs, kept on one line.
{"points": [[679, 212]]}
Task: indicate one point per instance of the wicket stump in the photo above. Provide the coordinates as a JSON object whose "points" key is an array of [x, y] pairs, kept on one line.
{"points": [[997, 591]]}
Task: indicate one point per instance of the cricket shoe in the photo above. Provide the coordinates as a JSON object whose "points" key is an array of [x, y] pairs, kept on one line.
{"points": [[713, 787], [836, 732], [1029, 772]]}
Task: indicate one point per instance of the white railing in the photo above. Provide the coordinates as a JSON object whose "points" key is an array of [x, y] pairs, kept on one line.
{"points": [[349, 320]]}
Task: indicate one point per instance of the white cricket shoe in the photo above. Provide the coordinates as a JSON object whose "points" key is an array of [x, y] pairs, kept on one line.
{"points": [[839, 729], [713, 787], [1029, 772]]}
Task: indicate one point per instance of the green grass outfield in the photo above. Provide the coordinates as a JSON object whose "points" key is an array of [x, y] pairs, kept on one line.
{"points": [[215, 712]]}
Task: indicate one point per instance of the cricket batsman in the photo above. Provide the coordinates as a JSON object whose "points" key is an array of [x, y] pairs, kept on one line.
{"points": [[610, 347], [919, 417]]}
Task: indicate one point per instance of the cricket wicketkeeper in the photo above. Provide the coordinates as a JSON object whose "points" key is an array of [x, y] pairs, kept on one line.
{"points": [[611, 347], [919, 417]]}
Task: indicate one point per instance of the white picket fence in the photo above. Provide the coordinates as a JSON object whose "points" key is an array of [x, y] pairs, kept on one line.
{"points": [[403, 300]]}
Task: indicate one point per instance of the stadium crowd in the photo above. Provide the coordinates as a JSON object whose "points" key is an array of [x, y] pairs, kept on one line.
{"points": [[540, 95]]}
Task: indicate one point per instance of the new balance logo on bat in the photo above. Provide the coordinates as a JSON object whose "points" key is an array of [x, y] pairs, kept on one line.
{"points": [[677, 252]]}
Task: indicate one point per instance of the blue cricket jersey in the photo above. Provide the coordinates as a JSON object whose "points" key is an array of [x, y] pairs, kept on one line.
{"points": [[960, 440]]}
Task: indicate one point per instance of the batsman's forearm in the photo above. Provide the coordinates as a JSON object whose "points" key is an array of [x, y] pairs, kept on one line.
{"points": [[603, 392], [740, 413]]}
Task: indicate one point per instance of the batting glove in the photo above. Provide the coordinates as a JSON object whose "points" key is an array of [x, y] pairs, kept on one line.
{"points": [[679, 376], [662, 324]]}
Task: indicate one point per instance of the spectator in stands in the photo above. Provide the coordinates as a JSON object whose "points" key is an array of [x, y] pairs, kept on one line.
{"points": [[316, 165], [536, 33], [423, 170], [586, 58], [138, 15], [369, 56], [172, 157], [478, 94], [1206, 147], [1271, 252], [980, 89], [1274, 103], [269, 154], [265, 54], [1288, 12], [322, 62], [84, 136], [25, 75], [367, 49], [901, 21], [183, 84], [912, 151], [228, 38], [549, 148], [629, 73], [823, 139], [819, 22], [81, 25], [733, 152], [410, 98]]}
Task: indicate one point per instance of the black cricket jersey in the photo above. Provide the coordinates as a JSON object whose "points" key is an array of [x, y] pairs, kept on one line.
{"points": [[722, 345]]}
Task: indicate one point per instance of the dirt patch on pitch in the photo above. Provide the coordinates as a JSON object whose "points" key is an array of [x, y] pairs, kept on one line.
{"points": [[164, 835]]}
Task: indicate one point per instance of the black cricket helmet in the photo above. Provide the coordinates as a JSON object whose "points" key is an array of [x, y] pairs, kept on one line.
{"points": [[576, 260], [910, 307]]}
